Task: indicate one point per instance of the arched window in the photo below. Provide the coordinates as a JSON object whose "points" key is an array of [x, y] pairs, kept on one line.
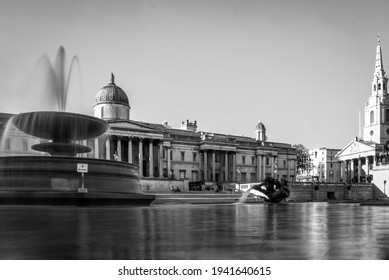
{"points": [[102, 112], [379, 86], [374, 87], [371, 116]]}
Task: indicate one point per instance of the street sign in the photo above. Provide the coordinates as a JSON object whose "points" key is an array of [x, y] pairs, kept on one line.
{"points": [[82, 167]]}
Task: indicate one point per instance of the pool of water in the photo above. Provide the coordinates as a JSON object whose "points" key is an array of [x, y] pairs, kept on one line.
{"points": [[297, 231]]}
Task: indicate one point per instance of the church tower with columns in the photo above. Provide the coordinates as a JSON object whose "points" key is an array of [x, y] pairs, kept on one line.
{"points": [[365, 160], [376, 127]]}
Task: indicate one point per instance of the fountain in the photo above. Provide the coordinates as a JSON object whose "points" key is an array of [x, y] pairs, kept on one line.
{"points": [[61, 177]]}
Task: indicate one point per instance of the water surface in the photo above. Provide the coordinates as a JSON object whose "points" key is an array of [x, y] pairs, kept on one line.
{"points": [[296, 231]]}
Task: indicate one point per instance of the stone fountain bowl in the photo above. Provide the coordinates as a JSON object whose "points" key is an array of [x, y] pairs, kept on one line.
{"points": [[60, 126]]}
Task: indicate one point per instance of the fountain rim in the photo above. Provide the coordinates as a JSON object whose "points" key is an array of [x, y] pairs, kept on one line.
{"points": [[70, 116]]}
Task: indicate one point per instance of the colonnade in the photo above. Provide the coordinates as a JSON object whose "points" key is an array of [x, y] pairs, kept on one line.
{"points": [[229, 167], [147, 153], [352, 170], [153, 156]]}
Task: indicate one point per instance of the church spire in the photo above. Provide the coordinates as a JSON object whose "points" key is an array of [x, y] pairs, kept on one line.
{"points": [[379, 66], [379, 79]]}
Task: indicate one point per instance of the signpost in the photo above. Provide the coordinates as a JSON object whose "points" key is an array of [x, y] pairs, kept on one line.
{"points": [[82, 168]]}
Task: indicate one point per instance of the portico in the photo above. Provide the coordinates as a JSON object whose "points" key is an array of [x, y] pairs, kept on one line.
{"points": [[358, 160]]}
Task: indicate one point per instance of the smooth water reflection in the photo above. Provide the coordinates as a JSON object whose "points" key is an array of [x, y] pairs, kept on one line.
{"points": [[243, 231]]}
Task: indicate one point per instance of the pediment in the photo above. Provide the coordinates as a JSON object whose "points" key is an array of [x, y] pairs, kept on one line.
{"points": [[133, 128], [355, 148]]}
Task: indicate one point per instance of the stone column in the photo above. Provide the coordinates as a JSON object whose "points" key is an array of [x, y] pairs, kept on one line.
{"points": [[151, 159], [160, 159], [263, 166], [205, 165], [368, 167], [288, 169], [168, 162], [359, 169], [119, 148], [129, 149], [213, 166], [107, 149], [96, 148], [342, 170], [141, 157], [226, 167], [259, 168], [234, 167], [352, 169]]}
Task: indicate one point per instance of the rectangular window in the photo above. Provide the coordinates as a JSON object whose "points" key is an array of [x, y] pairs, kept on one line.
{"points": [[253, 160], [243, 160], [194, 156], [182, 174], [164, 154], [267, 160], [182, 156], [284, 163]]}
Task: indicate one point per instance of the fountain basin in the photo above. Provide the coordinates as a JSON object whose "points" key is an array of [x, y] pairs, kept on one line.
{"points": [[55, 181], [62, 127]]}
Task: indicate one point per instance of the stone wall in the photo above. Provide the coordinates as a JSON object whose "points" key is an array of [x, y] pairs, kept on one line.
{"points": [[381, 174], [163, 185], [333, 191]]}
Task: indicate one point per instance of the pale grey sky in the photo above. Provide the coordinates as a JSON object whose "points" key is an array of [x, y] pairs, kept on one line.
{"points": [[301, 67]]}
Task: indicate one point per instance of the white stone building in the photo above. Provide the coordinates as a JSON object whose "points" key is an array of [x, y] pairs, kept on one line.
{"points": [[325, 164]]}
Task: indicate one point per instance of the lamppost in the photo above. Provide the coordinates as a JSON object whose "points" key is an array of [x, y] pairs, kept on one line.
{"points": [[384, 186]]}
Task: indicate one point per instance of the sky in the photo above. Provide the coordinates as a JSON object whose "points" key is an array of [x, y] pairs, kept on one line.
{"points": [[303, 68]]}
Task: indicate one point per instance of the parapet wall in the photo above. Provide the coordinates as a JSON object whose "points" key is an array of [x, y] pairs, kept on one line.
{"points": [[333, 191]]}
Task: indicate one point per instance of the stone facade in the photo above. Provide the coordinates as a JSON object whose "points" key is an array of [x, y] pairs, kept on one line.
{"points": [[325, 164], [163, 152]]}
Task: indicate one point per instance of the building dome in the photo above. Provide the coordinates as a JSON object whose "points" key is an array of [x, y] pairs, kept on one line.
{"points": [[260, 126], [111, 93], [112, 103]]}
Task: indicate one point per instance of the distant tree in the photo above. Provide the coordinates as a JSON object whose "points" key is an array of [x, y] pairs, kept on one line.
{"points": [[303, 159]]}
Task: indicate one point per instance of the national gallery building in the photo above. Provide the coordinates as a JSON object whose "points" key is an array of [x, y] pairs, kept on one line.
{"points": [[164, 153]]}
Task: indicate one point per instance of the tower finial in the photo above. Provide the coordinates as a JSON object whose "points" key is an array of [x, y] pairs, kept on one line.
{"points": [[112, 79], [378, 39]]}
